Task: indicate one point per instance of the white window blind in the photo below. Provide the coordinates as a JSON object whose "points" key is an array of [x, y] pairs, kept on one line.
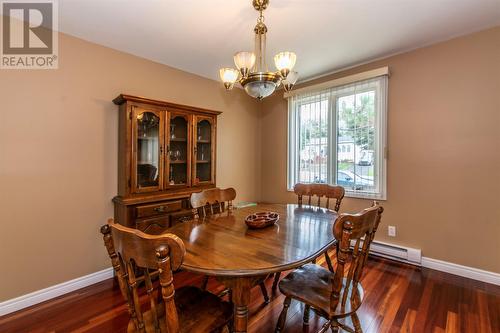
{"points": [[338, 136]]}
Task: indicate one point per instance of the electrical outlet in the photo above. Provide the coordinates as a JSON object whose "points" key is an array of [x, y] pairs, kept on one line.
{"points": [[391, 231]]}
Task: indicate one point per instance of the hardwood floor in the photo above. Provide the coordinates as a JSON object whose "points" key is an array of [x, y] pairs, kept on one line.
{"points": [[399, 298]]}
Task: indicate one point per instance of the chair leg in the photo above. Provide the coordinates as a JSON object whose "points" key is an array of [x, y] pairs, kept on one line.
{"points": [[282, 319], [204, 283], [307, 310], [264, 292], [276, 280], [325, 327], [329, 262], [334, 326], [356, 323]]}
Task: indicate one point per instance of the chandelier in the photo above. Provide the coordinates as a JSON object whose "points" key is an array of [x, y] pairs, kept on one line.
{"points": [[252, 72]]}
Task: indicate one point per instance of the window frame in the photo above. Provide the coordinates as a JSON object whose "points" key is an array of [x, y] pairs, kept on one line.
{"points": [[381, 110]]}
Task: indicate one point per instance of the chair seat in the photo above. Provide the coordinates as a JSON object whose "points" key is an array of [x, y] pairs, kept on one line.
{"points": [[312, 285], [198, 310]]}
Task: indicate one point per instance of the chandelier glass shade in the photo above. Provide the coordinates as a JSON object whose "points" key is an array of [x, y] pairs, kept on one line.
{"points": [[229, 76], [290, 80], [252, 72], [284, 62], [244, 60]]}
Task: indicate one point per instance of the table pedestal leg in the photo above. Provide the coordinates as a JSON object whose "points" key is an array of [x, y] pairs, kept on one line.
{"points": [[240, 288], [241, 298]]}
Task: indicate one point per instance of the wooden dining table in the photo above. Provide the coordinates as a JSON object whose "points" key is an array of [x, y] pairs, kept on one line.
{"points": [[223, 246]]}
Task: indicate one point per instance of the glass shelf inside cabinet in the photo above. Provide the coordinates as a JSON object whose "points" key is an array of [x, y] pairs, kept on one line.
{"points": [[148, 127], [177, 173], [204, 151]]}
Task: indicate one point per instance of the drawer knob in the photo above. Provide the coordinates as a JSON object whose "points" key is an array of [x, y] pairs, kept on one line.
{"points": [[159, 209]]}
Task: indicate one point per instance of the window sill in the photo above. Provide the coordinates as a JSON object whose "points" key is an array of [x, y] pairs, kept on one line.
{"points": [[366, 196]]}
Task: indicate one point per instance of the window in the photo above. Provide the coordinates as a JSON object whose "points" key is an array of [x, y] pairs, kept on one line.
{"points": [[338, 136]]}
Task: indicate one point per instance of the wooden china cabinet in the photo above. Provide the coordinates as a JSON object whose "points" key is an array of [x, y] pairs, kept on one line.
{"points": [[166, 152]]}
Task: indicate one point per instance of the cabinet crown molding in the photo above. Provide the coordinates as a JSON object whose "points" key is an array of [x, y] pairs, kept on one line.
{"points": [[123, 98]]}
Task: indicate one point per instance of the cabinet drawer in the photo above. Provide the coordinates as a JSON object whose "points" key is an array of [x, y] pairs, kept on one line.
{"points": [[153, 226], [180, 216], [158, 208]]}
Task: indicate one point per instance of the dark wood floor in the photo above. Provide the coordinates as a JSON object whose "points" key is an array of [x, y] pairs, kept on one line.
{"points": [[399, 298]]}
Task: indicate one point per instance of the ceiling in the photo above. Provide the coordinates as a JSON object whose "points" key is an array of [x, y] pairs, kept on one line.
{"points": [[200, 36]]}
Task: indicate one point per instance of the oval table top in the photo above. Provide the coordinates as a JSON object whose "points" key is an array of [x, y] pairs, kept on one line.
{"points": [[222, 244]]}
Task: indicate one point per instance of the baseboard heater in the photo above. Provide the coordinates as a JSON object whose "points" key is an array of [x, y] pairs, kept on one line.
{"points": [[400, 253], [396, 252]]}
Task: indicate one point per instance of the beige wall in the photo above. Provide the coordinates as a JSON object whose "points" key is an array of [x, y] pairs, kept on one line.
{"points": [[58, 156], [58, 149], [444, 155]]}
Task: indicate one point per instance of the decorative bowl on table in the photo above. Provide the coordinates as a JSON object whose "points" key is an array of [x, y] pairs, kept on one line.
{"points": [[261, 219]]}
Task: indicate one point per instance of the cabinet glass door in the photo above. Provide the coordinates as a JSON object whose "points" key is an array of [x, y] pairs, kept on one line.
{"points": [[178, 158], [147, 152], [204, 151]]}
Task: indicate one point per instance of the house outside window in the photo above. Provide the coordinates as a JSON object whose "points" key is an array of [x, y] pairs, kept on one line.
{"points": [[338, 136]]}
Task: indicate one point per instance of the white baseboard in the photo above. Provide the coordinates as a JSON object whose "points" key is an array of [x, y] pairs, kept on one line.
{"points": [[465, 271], [42, 295], [413, 256]]}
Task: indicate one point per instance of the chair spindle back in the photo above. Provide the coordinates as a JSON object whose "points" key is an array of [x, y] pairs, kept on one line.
{"points": [[137, 258], [212, 201], [319, 191], [355, 233]]}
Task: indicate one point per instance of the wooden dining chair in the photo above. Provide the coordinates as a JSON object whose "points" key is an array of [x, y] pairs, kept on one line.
{"points": [[216, 201], [335, 295], [212, 201], [317, 191], [138, 259]]}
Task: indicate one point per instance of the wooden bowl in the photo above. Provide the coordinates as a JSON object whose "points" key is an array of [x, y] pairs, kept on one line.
{"points": [[261, 219]]}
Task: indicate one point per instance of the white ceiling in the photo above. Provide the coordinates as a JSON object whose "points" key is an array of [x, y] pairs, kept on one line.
{"points": [[200, 36]]}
